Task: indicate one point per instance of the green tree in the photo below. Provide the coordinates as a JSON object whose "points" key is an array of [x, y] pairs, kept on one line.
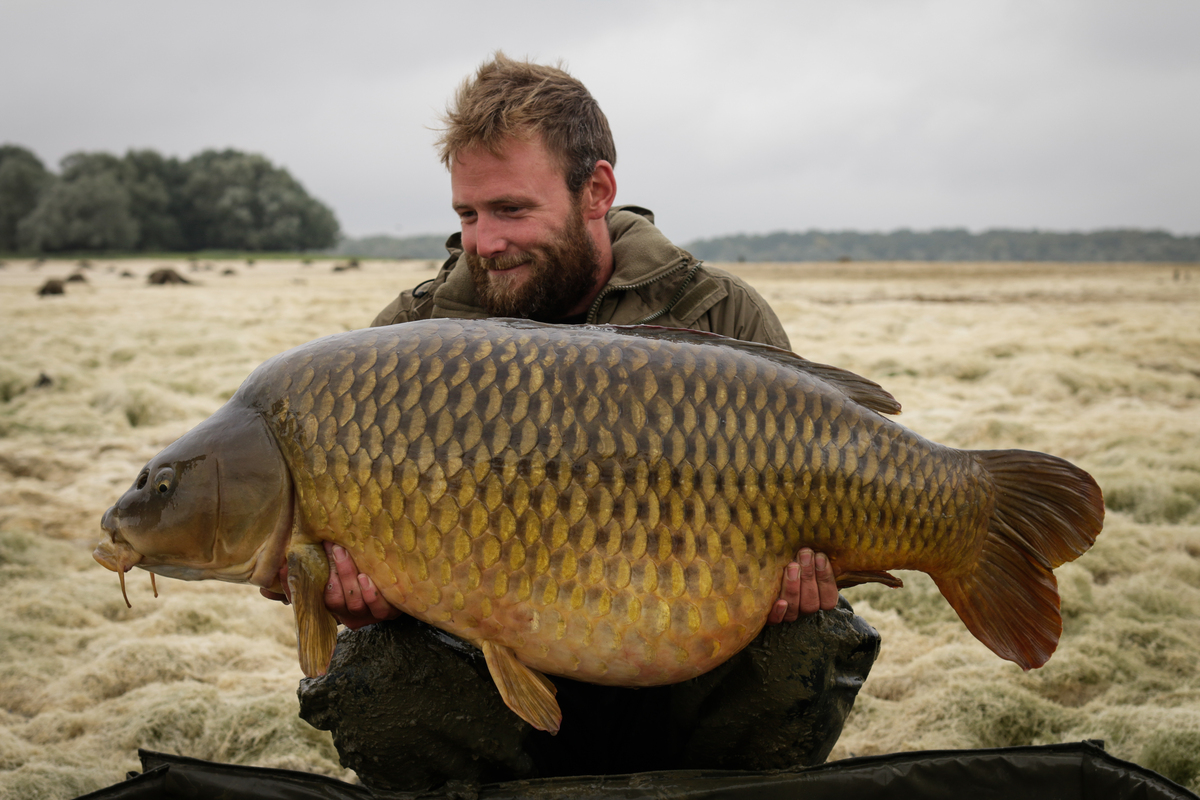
{"points": [[23, 178], [155, 187], [89, 212], [144, 201], [85, 165], [240, 201]]}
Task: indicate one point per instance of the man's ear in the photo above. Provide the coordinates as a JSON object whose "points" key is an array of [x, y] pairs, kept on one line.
{"points": [[599, 192]]}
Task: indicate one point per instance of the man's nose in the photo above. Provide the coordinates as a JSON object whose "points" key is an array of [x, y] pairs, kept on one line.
{"points": [[489, 238]]}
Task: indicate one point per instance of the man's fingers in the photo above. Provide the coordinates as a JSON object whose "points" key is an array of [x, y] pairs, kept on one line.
{"points": [[786, 606], [348, 573], [335, 598], [351, 596], [810, 595], [808, 586], [791, 592], [379, 607], [826, 583]]}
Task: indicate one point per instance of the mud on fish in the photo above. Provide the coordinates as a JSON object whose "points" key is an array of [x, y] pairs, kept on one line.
{"points": [[614, 505]]}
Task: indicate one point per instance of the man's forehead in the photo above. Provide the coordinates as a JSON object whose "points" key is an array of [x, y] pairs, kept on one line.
{"points": [[521, 171]]}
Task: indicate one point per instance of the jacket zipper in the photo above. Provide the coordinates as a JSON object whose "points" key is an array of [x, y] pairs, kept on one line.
{"points": [[609, 289]]}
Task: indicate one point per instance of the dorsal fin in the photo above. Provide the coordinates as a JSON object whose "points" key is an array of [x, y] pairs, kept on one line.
{"points": [[857, 388]]}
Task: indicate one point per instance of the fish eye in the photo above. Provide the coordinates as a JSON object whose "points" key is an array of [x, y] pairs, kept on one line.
{"points": [[164, 480]]}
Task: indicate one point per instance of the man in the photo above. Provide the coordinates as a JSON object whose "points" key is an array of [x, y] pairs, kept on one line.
{"points": [[531, 158], [531, 161]]}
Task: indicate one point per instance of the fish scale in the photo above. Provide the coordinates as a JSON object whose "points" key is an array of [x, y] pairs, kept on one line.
{"points": [[453, 423], [615, 505]]}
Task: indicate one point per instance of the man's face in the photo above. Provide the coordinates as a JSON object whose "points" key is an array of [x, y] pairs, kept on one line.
{"points": [[524, 235]]}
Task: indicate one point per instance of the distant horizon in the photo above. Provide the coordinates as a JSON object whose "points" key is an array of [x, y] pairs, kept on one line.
{"points": [[972, 231], [904, 244]]}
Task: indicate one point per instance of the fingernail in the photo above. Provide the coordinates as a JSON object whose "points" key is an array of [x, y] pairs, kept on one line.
{"points": [[805, 557], [339, 552], [821, 561], [793, 572]]}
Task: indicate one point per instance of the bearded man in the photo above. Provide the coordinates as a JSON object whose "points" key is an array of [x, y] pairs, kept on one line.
{"points": [[531, 160]]}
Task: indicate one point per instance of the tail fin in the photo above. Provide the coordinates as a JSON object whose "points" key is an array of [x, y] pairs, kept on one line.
{"points": [[1048, 512]]}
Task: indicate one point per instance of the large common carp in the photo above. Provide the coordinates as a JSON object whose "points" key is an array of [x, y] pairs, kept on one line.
{"points": [[614, 505]]}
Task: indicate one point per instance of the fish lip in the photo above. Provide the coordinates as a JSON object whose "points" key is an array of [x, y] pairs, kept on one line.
{"points": [[116, 555], [113, 552]]}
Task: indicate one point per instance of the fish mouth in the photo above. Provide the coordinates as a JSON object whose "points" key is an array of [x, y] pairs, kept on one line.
{"points": [[114, 553]]}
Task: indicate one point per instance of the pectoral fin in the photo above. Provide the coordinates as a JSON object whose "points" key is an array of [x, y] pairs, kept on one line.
{"points": [[527, 692], [855, 577], [316, 629]]}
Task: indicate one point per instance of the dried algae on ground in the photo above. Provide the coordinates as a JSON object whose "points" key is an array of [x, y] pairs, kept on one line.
{"points": [[1096, 363]]}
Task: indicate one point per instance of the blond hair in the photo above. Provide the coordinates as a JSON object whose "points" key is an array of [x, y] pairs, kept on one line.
{"points": [[519, 99]]}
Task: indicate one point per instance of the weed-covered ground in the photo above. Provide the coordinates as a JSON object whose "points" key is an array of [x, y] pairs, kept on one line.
{"points": [[1096, 363]]}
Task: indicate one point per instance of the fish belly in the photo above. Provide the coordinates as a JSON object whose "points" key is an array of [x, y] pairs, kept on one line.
{"points": [[615, 508]]}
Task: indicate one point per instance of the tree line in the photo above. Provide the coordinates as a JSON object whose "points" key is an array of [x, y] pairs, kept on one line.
{"points": [[953, 244], [143, 201], [957, 244]]}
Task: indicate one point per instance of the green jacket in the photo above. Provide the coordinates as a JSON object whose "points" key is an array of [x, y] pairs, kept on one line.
{"points": [[653, 282]]}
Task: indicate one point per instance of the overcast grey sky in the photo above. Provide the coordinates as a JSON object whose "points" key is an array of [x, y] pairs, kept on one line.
{"points": [[728, 117]]}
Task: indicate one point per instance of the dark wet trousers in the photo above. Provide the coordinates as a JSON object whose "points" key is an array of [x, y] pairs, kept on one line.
{"points": [[411, 708]]}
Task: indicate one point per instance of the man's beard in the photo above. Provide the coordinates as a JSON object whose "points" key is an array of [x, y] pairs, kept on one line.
{"points": [[560, 274]]}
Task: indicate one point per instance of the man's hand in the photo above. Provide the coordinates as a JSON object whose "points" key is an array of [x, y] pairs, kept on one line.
{"points": [[350, 596], [808, 587]]}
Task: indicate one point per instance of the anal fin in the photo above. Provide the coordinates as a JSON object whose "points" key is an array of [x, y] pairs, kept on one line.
{"points": [[856, 577], [529, 693], [316, 629]]}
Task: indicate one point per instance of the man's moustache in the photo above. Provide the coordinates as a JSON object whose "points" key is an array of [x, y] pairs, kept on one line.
{"points": [[505, 262]]}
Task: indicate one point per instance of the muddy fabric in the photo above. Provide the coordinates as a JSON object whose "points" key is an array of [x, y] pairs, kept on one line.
{"points": [[1072, 771], [653, 282], [410, 708]]}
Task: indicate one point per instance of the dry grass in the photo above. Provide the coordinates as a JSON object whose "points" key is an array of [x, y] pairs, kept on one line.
{"points": [[1097, 363]]}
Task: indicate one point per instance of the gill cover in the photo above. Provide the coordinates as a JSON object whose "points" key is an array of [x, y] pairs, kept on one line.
{"points": [[214, 504]]}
